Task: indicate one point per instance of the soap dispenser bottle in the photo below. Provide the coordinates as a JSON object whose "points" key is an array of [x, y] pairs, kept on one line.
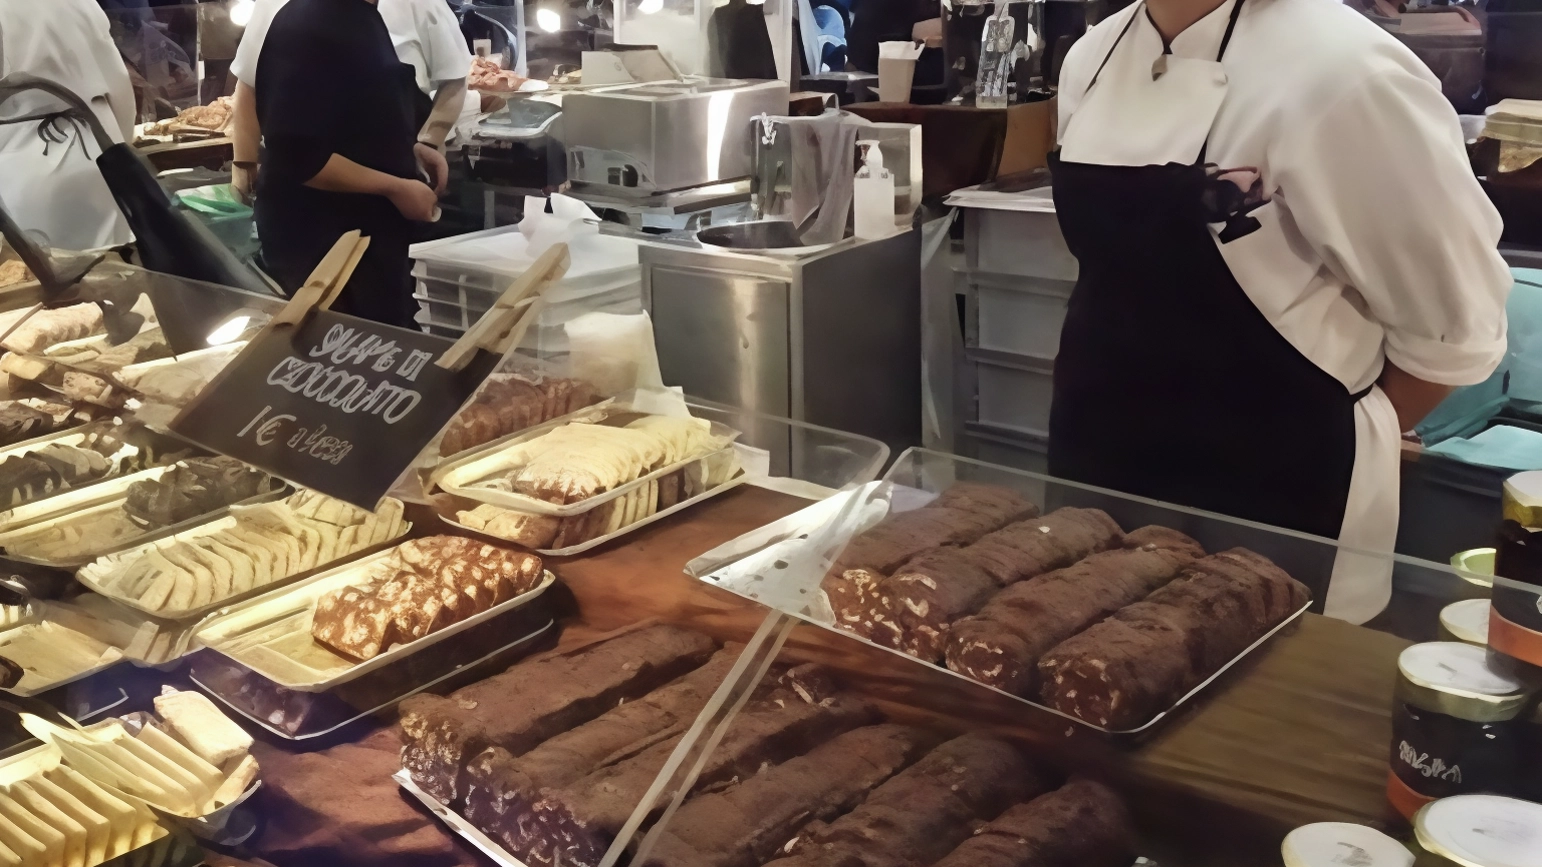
{"points": [[872, 196]]}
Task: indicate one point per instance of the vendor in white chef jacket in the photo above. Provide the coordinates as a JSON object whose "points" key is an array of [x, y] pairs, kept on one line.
{"points": [[1285, 261], [49, 181]]}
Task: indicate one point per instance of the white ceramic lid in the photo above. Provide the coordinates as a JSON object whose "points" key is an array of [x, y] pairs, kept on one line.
{"points": [[1468, 620], [1482, 831], [1339, 844], [1455, 666]]}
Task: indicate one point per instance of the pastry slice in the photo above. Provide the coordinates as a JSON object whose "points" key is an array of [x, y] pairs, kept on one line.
{"points": [[194, 719], [389, 522], [235, 785], [242, 567], [98, 829], [189, 788], [127, 824], [51, 838], [221, 569], [182, 757], [26, 847], [74, 833], [328, 534], [202, 585]]}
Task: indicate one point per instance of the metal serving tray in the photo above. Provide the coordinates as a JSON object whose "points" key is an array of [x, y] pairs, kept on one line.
{"points": [[326, 713], [456, 475], [26, 517], [205, 526], [745, 475], [458, 823], [258, 634], [782, 565]]}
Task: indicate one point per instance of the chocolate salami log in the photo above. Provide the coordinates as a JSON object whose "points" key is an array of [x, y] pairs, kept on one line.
{"points": [[922, 812], [958, 516], [536, 700], [1025, 549], [1081, 824], [1122, 671], [745, 825], [911, 610], [501, 788], [1001, 645], [576, 824]]}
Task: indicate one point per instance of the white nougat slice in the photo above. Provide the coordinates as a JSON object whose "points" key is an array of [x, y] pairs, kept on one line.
{"points": [[75, 834], [235, 785], [266, 556], [98, 829], [200, 725], [113, 764], [123, 821], [209, 776], [8, 857], [192, 792], [28, 849], [39, 830]]}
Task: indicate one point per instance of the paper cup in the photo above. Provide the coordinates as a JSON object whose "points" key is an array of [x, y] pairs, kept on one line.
{"points": [[894, 77]]}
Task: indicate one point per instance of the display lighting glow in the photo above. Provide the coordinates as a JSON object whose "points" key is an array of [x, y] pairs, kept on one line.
{"points": [[229, 330], [648, 7], [548, 20], [241, 12]]}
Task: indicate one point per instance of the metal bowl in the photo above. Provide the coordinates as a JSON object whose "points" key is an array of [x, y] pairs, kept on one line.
{"points": [[777, 237]]}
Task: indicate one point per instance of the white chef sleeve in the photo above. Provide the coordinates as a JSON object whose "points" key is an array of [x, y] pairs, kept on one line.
{"points": [[244, 66], [1380, 185], [445, 54]]}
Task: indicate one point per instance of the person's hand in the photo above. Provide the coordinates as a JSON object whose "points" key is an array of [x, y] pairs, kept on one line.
{"points": [[928, 31], [433, 164], [243, 179], [415, 199]]}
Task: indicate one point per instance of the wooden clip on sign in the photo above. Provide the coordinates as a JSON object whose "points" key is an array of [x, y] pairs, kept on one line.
{"points": [[326, 281], [504, 326]]}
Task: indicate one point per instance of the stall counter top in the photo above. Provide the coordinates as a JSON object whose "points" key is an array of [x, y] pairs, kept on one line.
{"points": [[1298, 735]]}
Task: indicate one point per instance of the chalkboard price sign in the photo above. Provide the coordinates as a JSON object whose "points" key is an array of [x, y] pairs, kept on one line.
{"points": [[335, 403]]}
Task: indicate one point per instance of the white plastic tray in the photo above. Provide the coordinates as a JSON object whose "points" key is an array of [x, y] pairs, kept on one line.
{"points": [[203, 527], [458, 475]]}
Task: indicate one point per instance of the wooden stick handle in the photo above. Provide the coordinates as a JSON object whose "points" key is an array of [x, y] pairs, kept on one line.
{"points": [[320, 286]]}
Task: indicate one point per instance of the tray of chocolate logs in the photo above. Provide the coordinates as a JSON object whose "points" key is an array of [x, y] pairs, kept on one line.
{"points": [[37, 470], [247, 551], [301, 663], [714, 464], [1065, 610], [656, 746]]}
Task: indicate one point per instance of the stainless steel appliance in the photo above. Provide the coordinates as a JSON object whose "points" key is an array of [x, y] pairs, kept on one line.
{"points": [[665, 136], [832, 338]]}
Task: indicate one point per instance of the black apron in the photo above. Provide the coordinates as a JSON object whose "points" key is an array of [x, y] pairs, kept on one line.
{"points": [[1170, 383]]}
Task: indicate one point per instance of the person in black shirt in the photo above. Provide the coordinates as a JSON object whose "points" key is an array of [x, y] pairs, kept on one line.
{"points": [[335, 106]]}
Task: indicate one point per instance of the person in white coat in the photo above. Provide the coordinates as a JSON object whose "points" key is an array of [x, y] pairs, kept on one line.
{"points": [[1285, 262], [49, 181]]}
